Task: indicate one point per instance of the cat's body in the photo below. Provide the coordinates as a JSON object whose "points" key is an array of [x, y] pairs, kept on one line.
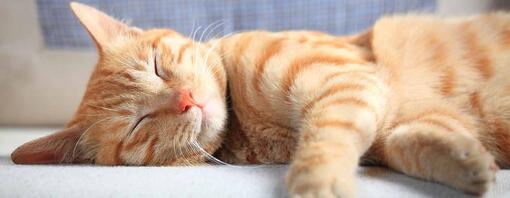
{"points": [[436, 90], [423, 95]]}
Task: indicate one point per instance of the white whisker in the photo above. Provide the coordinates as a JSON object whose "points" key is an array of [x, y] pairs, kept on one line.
{"points": [[209, 156], [207, 28], [178, 140], [213, 47], [195, 46], [214, 29], [103, 108], [215, 24]]}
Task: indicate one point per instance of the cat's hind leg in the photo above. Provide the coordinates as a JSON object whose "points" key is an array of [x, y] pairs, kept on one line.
{"points": [[492, 104], [437, 142]]}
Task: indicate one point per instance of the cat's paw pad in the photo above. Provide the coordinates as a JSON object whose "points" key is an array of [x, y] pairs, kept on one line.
{"points": [[474, 168], [319, 182]]}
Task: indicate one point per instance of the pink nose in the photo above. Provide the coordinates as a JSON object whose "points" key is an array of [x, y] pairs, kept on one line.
{"points": [[186, 101]]}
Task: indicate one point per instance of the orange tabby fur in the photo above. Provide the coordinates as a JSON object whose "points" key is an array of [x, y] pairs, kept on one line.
{"points": [[432, 104], [423, 95]]}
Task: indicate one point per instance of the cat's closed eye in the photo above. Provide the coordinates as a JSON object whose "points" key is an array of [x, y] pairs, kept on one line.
{"points": [[156, 63], [138, 123]]}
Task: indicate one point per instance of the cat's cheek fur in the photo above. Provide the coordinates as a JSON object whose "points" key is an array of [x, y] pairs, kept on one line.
{"points": [[107, 155]]}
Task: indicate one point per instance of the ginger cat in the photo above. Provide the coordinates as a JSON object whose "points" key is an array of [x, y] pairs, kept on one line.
{"points": [[425, 96]]}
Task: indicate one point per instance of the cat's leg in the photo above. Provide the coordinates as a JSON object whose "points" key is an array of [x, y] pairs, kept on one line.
{"points": [[437, 142], [332, 139], [325, 161]]}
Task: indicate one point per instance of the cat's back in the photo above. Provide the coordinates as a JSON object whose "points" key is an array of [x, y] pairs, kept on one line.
{"points": [[453, 55], [397, 31]]}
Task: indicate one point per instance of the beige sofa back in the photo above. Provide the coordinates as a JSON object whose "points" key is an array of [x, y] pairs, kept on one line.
{"points": [[38, 86]]}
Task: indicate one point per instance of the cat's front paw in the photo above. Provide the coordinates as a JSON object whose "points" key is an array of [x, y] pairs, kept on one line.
{"points": [[310, 181]]}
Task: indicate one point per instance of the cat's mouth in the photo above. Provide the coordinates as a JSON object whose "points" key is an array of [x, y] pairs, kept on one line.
{"points": [[196, 125], [195, 118], [211, 118], [139, 121]]}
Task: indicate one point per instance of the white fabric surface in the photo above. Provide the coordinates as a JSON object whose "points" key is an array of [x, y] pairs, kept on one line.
{"points": [[205, 181]]}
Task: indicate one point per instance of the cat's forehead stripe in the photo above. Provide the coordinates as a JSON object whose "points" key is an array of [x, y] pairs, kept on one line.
{"points": [[175, 44]]}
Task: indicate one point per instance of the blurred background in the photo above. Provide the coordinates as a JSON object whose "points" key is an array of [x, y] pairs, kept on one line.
{"points": [[46, 57]]}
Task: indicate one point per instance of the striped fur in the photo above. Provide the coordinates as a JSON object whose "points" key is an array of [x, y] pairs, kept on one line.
{"points": [[423, 95]]}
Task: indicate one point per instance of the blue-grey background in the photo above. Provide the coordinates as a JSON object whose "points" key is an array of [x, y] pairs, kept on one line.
{"points": [[61, 29]]}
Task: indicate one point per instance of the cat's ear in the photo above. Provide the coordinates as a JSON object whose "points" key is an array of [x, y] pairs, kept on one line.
{"points": [[52, 149], [100, 26]]}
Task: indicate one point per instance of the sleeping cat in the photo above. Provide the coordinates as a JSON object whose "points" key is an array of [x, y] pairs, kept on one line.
{"points": [[425, 96]]}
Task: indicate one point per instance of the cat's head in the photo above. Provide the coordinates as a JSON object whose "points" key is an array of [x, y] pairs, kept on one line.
{"points": [[155, 97]]}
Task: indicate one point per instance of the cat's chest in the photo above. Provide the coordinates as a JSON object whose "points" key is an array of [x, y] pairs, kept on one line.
{"points": [[257, 142]]}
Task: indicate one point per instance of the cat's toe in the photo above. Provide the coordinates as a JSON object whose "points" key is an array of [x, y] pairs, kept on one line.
{"points": [[477, 170], [305, 189], [319, 182]]}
